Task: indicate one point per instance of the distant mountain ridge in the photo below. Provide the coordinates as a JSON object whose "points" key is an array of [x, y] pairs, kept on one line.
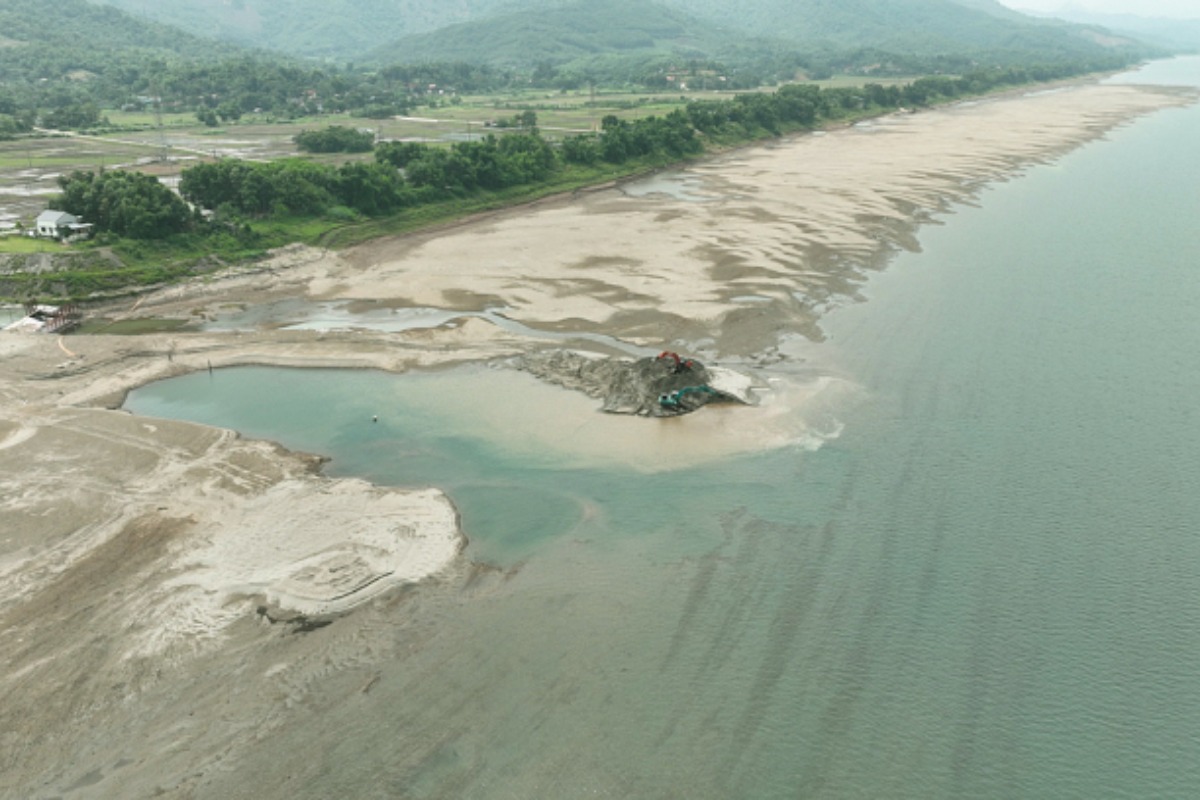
{"points": [[564, 32], [1181, 35], [925, 26], [86, 43], [79, 26], [994, 8], [346, 29], [340, 29]]}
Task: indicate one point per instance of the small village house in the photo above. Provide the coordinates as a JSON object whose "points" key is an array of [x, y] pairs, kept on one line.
{"points": [[60, 225]]}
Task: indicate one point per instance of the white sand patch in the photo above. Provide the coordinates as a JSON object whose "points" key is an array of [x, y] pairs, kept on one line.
{"points": [[308, 546], [731, 382], [15, 437]]}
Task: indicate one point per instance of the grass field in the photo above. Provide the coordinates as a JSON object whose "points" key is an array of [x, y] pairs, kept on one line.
{"points": [[132, 327], [23, 244], [29, 166]]}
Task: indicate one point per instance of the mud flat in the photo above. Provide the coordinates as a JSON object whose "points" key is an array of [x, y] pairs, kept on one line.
{"points": [[142, 561]]}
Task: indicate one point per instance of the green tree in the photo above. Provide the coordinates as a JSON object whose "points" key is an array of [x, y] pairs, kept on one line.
{"points": [[75, 116], [400, 154], [229, 111], [126, 203], [369, 188], [581, 149], [335, 139]]}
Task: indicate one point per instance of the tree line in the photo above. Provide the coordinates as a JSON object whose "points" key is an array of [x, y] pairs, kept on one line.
{"points": [[293, 187], [125, 203], [34, 85], [335, 139], [406, 174]]}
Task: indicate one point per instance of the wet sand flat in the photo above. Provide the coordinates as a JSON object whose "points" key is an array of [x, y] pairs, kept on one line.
{"points": [[792, 225]]}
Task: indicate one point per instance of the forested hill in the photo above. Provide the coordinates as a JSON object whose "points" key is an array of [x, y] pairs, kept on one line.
{"points": [[345, 29], [922, 27], [86, 56], [1177, 35], [77, 26], [86, 42], [994, 8], [566, 33], [615, 41], [338, 29]]}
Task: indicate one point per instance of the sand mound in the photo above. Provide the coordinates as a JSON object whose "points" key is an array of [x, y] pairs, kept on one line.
{"points": [[319, 547], [664, 386]]}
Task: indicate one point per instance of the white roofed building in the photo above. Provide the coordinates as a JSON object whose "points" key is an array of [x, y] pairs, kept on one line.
{"points": [[60, 225]]}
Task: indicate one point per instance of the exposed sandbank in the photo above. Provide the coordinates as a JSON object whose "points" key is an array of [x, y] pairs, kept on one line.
{"points": [[781, 231], [134, 552]]}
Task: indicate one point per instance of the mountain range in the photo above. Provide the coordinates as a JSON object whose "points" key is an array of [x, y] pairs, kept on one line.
{"points": [[77, 27], [524, 31], [1177, 35]]}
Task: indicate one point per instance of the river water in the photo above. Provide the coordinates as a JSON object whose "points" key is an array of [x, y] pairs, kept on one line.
{"points": [[978, 577]]}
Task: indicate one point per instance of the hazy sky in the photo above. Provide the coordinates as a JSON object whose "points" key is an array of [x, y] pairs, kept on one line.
{"points": [[1144, 8]]}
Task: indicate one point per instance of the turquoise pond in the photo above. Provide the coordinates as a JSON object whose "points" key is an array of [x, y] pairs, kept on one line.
{"points": [[975, 573]]}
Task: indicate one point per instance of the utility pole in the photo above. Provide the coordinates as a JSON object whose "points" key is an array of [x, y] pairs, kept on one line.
{"points": [[28, 167], [158, 122]]}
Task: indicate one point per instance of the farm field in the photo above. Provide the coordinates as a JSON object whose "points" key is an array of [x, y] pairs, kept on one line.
{"points": [[29, 166]]}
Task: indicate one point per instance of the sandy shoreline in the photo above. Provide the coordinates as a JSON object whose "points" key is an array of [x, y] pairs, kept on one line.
{"points": [[135, 552]]}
